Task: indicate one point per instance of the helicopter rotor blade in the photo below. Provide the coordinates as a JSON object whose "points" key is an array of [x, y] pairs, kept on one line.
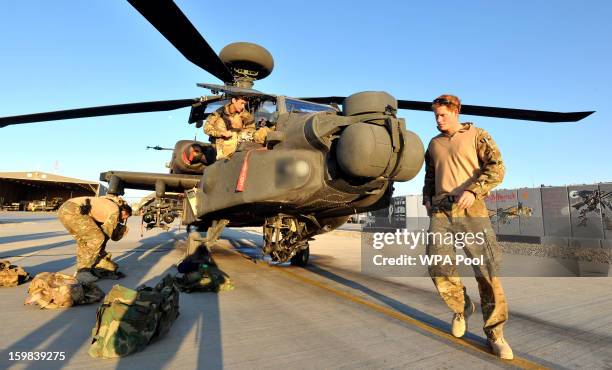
{"points": [[477, 110], [170, 21], [508, 113], [105, 110]]}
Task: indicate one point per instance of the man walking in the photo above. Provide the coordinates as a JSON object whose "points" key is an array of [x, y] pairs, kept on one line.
{"points": [[462, 164]]}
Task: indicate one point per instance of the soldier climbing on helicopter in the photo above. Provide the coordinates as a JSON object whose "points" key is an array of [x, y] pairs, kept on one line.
{"points": [[232, 124]]}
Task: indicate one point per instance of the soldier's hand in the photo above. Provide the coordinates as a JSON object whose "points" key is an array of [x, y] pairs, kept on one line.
{"points": [[466, 200], [119, 232]]}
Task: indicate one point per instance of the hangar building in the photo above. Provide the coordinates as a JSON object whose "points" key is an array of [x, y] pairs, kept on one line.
{"points": [[21, 187]]}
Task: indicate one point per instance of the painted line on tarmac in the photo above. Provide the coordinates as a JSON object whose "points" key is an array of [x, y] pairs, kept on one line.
{"points": [[517, 361]]}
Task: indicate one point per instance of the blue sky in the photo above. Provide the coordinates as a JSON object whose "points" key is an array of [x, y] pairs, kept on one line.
{"points": [[522, 54]]}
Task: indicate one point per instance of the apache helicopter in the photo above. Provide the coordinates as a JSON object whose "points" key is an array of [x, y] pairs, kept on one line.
{"points": [[319, 166]]}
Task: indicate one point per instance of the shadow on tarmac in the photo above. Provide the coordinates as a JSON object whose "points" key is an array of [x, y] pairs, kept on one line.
{"points": [[34, 236], [22, 252]]}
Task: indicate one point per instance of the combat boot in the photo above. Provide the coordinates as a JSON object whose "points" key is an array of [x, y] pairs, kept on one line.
{"points": [[459, 325], [85, 276], [501, 348], [107, 264]]}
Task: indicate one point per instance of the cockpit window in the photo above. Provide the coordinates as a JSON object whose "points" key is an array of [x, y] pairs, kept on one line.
{"points": [[301, 106], [265, 111], [215, 105]]}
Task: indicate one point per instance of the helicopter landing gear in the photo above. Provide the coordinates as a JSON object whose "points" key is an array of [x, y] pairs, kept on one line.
{"points": [[195, 239], [301, 257], [284, 240]]}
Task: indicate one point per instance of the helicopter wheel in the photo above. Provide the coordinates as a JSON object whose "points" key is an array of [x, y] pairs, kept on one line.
{"points": [[301, 257]]}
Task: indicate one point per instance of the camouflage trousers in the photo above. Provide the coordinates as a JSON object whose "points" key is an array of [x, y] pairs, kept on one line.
{"points": [[226, 147], [475, 221], [90, 239]]}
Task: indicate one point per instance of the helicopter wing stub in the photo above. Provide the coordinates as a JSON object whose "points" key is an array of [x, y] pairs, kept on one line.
{"points": [[148, 181], [104, 110], [477, 110], [170, 21]]}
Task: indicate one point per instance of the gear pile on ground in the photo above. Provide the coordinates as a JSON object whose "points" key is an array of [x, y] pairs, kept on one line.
{"points": [[128, 320], [56, 290], [205, 278], [11, 275], [198, 272]]}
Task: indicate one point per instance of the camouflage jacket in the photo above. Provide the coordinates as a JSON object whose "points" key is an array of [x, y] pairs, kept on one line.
{"points": [[474, 165], [240, 125], [105, 211]]}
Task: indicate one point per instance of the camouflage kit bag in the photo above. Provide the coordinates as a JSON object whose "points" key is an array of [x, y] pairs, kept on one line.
{"points": [[11, 275], [56, 290], [130, 319]]}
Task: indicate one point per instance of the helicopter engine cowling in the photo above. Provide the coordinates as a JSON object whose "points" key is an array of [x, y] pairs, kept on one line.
{"points": [[364, 150], [191, 157], [369, 102], [378, 146]]}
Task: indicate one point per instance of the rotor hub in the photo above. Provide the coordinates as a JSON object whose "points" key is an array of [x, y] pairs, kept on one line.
{"points": [[247, 62]]}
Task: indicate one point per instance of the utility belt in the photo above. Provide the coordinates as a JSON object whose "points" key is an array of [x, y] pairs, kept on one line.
{"points": [[444, 204]]}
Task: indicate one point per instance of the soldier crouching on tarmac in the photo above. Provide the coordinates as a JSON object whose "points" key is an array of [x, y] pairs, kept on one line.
{"points": [[92, 221], [462, 164]]}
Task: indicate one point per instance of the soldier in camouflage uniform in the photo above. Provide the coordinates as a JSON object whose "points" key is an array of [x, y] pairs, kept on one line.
{"points": [[92, 221], [230, 125], [462, 164]]}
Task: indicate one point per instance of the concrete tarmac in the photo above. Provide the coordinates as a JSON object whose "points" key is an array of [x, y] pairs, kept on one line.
{"points": [[328, 315]]}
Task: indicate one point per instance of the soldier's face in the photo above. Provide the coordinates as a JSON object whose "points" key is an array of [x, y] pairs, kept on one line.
{"points": [[238, 105], [124, 215], [447, 119]]}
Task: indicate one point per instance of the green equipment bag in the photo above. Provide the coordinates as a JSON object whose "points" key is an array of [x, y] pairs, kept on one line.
{"points": [[199, 272], [206, 278], [128, 320], [11, 275], [57, 290]]}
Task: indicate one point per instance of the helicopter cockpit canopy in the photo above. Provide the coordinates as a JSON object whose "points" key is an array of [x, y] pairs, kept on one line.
{"points": [[265, 107], [302, 106]]}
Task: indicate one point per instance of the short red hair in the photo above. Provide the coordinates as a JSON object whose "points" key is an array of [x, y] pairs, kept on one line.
{"points": [[451, 101]]}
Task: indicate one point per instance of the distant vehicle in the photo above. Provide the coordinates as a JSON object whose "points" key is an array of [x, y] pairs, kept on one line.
{"points": [[36, 205], [44, 205], [11, 207]]}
